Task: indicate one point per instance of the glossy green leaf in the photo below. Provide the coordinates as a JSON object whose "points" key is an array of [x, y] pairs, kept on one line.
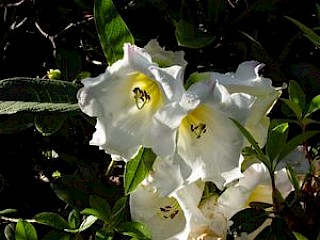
{"points": [[296, 94], [188, 36], [277, 138], [25, 231], [86, 223], [295, 108], [135, 230], [308, 32], [112, 30], [137, 169], [9, 231], [313, 105], [293, 177], [52, 219], [101, 206], [74, 219], [248, 220]]}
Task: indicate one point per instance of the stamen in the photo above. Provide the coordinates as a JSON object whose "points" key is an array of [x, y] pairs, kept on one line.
{"points": [[199, 129], [168, 211], [141, 97]]}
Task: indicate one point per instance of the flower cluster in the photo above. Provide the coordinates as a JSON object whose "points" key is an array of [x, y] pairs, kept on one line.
{"points": [[142, 100]]}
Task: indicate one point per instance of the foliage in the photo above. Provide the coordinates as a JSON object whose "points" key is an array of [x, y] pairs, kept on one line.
{"points": [[54, 185]]}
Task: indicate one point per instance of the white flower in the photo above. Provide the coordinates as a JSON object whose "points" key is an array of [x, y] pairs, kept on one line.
{"points": [[125, 98], [178, 217], [255, 186], [199, 131], [247, 80]]}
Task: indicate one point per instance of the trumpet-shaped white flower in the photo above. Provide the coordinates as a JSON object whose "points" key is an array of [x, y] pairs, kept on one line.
{"points": [[178, 217], [246, 79], [125, 98], [205, 139]]}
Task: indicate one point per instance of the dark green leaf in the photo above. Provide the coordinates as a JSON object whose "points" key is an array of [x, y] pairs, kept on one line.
{"points": [[17, 122], [112, 30], [118, 209], [135, 230], [52, 219], [8, 211], [104, 234], [296, 141], [313, 105], [189, 36], [293, 177], [56, 234], [295, 108], [48, 124], [137, 169], [25, 231], [9, 231], [308, 32], [296, 94], [248, 220], [101, 206], [260, 205], [277, 138], [35, 95]]}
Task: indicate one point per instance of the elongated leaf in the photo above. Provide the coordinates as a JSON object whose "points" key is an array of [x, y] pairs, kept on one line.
{"points": [[56, 234], [86, 223], [112, 30], [101, 206], [52, 219], [9, 231], [253, 142], [188, 35], [295, 141], [313, 106], [8, 211], [135, 230], [25, 231], [293, 177], [74, 219], [137, 169], [277, 138], [295, 108], [104, 234], [308, 32], [296, 94], [118, 209], [299, 236], [35, 95]]}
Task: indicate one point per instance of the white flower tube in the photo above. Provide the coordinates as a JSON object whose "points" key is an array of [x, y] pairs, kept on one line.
{"points": [[125, 98]]}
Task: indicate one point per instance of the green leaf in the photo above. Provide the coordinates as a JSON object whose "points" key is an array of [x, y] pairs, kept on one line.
{"points": [[295, 108], [55, 234], [313, 105], [36, 95], [188, 36], [112, 30], [299, 236], [253, 142], [135, 230], [52, 219], [296, 94], [104, 234], [17, 122], [101, 206], [293, 177], [277, 138], [296, 141], [118, 209], [86, 223], [8, 211], [25, 231], [308, 32], [9, 231], [48, 124], [137, 169], [74, 219], [248, 220], [260, 205]]}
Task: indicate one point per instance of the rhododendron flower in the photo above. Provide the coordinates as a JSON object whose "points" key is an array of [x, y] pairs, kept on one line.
{"points": [[125, 98], [246, 79], [205, 139], [177, 217]]}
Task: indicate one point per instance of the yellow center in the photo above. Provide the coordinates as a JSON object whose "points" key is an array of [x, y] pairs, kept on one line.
{"points": [[194, 122], [145, 92]]}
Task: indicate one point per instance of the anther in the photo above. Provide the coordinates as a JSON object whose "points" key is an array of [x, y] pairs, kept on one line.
{"points": [[141, 97]]}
